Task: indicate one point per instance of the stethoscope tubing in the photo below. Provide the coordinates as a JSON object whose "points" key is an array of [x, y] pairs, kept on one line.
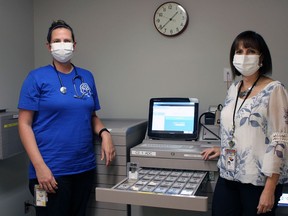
{"points": [[63, 89]]}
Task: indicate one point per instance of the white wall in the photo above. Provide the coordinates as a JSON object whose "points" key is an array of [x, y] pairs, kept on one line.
{"points": [[132, 62], [16, 48]]}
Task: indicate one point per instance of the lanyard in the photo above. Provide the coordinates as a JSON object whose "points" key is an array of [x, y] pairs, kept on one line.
{"points": [[231, 142]]}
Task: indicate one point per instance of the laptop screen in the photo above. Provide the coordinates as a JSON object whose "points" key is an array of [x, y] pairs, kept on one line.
{"points": [[173, 118]]}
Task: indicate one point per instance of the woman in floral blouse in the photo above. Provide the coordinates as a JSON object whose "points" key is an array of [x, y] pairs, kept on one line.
{"points": [[253, 157]]}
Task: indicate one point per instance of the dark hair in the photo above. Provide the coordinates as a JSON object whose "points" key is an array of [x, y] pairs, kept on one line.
{"points": [[255, 41], [59, 24]]}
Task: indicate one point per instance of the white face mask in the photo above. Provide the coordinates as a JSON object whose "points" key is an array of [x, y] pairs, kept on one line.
{"points": [[246, 64], [62, 51]]}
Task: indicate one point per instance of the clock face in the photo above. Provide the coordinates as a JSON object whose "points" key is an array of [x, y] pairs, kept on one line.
{"points": [[170, 19]]}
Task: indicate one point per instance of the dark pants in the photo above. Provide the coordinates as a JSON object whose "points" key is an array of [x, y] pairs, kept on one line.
{"points": [[236, 199], [71, 197]]}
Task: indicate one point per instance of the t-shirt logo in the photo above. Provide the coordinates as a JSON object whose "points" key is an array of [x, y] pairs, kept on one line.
{"points": [[85, 89]]}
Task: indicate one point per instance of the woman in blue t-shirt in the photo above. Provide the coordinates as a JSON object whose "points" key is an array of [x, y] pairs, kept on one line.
{"points": [[57, 121]]}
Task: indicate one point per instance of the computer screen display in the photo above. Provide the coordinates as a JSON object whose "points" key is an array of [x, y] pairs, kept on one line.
{"points": [[173, 118]]}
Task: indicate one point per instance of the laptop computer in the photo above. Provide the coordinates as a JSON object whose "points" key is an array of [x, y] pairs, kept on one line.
{"points": [[172, 133], [172, 125], [173, 119]]}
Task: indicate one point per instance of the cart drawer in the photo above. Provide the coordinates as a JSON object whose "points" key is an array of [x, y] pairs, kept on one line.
{"points": [[164, 188]]}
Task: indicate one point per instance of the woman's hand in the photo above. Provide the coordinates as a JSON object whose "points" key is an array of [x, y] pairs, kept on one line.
{"points": [[46, 179], [267, 198], [266, 202], [210, 153], [108, 150]]}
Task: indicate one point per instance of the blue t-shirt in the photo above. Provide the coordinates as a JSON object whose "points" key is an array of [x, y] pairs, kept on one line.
{"points": [[62, 124]]}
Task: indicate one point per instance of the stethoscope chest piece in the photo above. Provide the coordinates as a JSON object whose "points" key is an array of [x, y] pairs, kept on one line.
{"points": [[63, 90]]}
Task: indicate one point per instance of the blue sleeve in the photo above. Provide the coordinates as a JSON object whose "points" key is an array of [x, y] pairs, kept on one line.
{"points": [[95, 96], [29, 94]]}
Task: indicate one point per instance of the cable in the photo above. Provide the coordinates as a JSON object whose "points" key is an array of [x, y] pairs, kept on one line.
{"points": [[200, 124]]}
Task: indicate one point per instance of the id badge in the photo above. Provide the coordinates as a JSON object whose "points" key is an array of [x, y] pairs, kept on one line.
{"points": [[230, 159], [41, 197]]}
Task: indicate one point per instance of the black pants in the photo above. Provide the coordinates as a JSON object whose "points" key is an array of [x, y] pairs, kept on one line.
{"points": [[71, 197], [236, 199]]}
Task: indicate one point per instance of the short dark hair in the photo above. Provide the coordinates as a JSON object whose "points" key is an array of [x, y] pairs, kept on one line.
{"points": [[59, 24], [255, 41]]}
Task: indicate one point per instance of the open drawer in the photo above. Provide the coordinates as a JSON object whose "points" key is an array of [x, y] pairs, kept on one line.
{"points": [[164, 188]]}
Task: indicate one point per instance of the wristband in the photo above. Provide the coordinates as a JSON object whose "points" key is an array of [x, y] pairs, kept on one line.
{"points": [[102, 130]]}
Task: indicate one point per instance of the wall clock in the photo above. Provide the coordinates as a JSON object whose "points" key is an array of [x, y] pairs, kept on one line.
{"points": [[170, 19]]}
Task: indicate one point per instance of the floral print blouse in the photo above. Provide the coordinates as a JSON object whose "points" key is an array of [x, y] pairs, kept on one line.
{"points": [[261, 135]]}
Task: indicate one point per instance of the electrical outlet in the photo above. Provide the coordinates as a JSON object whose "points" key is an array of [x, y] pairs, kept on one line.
{"points": [[227, 75]]}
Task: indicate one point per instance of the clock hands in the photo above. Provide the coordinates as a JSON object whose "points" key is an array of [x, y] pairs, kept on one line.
{"points": [[169, 20], [166, 17]]}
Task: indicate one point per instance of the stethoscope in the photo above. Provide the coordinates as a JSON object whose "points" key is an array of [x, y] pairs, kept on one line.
{"points": [[63, 89]]}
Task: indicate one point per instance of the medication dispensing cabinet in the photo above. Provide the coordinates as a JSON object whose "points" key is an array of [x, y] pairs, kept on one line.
{"points": [[10, 144], [125, 133], [169, 178]]}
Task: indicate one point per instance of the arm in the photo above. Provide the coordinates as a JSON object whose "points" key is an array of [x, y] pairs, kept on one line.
{"points": [[276, 152], [108, 150], [44, 175], [267, 197]]}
